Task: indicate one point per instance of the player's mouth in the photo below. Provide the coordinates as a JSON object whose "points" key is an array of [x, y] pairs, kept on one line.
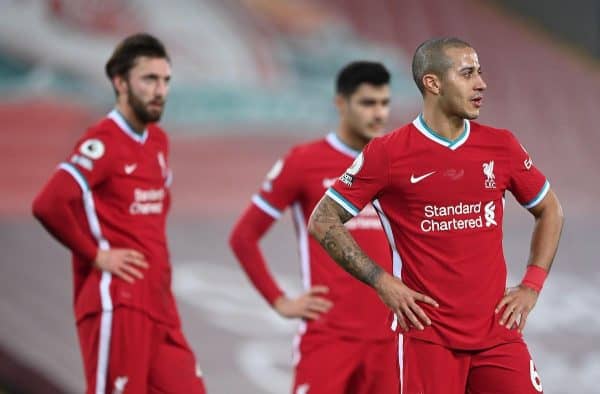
{"points": [[375, 126], [156, 105], [477, 101]]}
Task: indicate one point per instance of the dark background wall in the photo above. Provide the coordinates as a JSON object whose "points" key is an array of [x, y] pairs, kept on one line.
{"points": [[577, 21]]}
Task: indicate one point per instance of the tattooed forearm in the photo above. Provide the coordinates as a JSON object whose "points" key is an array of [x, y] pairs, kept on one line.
{"points": [[327, 226]]}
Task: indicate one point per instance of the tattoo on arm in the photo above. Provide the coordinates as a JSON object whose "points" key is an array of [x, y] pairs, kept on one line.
{"points": [[327, 226]]}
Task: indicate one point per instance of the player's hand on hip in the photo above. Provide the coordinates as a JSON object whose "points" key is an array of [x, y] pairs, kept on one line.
{"points": [[309, 305], [517, 303], [127, 264], [403, 302]]}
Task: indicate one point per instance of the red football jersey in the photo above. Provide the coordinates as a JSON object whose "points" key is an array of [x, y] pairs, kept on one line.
{"points": [[299, 180], [442, 204], [124, 178]]}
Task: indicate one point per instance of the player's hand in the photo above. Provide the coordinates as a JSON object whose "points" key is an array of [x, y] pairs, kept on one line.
{"points": [[403, 302], [127, 264], [517, 303], [307, 306]]}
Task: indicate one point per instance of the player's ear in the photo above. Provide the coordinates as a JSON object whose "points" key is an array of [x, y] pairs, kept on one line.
{"points": [[340, 103], [432, 84], [120, 84]]}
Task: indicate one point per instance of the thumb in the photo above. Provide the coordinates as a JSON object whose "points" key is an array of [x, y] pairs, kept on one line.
{"points": [[318, 289]]}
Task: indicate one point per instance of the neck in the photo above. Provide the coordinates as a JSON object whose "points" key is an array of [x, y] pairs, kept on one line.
{"points": [[449, 127], [351, 139], [132, 120]]}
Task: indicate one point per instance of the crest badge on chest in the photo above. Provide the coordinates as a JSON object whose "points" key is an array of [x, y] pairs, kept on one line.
{"points": [[488, 172]]}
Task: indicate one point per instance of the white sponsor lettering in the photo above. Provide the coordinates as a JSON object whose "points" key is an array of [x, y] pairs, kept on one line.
{"points": [[141, 195], [443, 218], [149, 208], [451, 210], [448, 225], [147, 202]]}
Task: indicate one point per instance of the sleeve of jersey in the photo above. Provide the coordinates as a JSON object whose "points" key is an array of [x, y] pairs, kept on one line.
{"points": [[91, 161], [70, 189], [244, 241], [527, 183], [364, 180], [280, 187], [55, 208]]}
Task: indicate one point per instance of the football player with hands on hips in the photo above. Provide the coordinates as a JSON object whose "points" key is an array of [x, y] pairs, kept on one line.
{"points": [[344, 344], [438, 185], [108, 203]]}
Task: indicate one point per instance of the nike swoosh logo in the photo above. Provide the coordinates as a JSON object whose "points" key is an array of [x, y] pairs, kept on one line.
{"points": [[130, 168], [414, 179]]}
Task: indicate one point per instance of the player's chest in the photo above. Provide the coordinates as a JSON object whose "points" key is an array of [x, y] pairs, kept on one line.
{"points": [[140, 173], [451, 176]]}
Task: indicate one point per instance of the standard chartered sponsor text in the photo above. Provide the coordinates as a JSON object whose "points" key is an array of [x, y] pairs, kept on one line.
{"points": [[443, 218], [147, 202]]}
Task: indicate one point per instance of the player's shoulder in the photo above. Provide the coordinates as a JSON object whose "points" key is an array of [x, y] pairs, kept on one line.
{"points": [[400, 133], [98, 138], [157, 133], [392, 141], [490, 132], [499, 138], [105, 127], [308, 149]]}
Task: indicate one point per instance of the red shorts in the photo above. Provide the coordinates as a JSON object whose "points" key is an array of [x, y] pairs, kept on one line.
{"points": [[330, 365], [125, 351], [430, 368]]}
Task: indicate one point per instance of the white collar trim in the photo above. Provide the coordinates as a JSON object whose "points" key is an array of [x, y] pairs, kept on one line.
{"points": [[124, 126], [419, 123], [338, 145]]}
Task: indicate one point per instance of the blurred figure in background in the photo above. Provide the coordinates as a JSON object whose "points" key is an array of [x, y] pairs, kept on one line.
{"points": [[344, 344], [108, 204], [440, 182]]}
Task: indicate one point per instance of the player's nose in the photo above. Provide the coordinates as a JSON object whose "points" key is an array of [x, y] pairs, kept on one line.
{"points": [[162, 88], [480, 83], [381, 111]]}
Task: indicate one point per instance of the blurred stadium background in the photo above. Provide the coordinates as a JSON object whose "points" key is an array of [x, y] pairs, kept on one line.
{"points": [[251, 78]]}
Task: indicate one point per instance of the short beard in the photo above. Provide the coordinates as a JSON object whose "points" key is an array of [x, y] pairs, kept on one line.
{"points": [[139, 109]]}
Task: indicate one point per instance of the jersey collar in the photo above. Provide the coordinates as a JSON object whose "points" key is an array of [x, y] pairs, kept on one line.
{"points": [[126, 128], [338, 145], [420, 124]]}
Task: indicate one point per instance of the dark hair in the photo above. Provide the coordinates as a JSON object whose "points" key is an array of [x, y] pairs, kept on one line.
{"points": [[125, 54], [352, 75], [430, 58]]}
